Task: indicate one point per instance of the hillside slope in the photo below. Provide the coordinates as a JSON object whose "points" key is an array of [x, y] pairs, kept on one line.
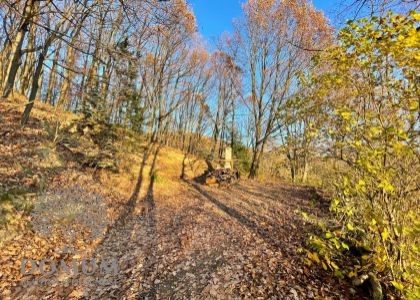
{"points": [[180, 240]]}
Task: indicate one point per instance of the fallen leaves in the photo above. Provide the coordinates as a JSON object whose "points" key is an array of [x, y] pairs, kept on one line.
{"points": [[245, 242]]}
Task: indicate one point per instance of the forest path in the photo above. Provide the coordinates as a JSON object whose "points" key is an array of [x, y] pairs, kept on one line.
{"points": [[243, 242]]}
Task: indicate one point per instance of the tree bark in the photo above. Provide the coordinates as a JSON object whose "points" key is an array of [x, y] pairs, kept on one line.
{"points": [[34, 88], [52, 78], [16, 49]]}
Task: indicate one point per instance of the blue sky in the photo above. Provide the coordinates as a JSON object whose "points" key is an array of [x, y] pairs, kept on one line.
{"points": [[215, 16]]}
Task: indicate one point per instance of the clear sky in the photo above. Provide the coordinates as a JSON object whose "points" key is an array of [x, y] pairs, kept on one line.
{"points": [[215, 16]]}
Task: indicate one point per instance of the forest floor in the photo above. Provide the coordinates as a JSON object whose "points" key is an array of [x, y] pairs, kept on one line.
{"points": [[179, 240]]}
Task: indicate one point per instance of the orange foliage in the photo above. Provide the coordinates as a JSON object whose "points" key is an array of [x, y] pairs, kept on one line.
{"points": [[186, 15], [309, 25], [199, 55]]}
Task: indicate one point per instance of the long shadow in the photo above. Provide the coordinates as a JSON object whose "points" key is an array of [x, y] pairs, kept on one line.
{"points": [[131, 203], [150, 258], [148, 211], [288, 254], [118, 239], [147, 218], [250, 224], [302, 194], [255, 194]]}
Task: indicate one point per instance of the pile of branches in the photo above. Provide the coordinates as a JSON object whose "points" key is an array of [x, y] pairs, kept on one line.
{"points": [[220, 176]]}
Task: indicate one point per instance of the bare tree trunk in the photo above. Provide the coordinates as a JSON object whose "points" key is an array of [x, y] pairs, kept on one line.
{"points": [[255, 151], [216, 124], [40, 83], [34, 88], [232, 134], [16, 49], [65, 86], [52, 77], [29, 62], [305, 169], [4, 60], [254, 165], [83, 85], [92, 80]]}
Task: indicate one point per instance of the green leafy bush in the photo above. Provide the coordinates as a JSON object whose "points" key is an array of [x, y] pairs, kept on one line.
{"points": [[369, 87]]}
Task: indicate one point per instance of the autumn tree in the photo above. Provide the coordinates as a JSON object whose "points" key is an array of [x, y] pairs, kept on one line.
{"points": [[360, 8], [373, 124], [300, 117], [276, 39], [164, 74], [227, 85]]}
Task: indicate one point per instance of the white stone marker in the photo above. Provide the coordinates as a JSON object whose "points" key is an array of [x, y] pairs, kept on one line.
{"points": [[228, 158]]}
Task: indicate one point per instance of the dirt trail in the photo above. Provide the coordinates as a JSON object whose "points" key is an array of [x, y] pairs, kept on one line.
{"points": [[206, 243]]}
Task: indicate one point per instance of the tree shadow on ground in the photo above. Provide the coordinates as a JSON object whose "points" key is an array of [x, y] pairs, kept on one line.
{"points": [[275, 220], [234, 213], [288, 233], [134, 233], [149, 213], [293, 197], [129, 241]]}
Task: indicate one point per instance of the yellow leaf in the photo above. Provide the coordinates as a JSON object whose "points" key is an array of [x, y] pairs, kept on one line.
{"points": [[384, 234], [346, 115], [374, 130], [327, 259], [350, 227], [345, 246], [397, 285], [315, 257], [414, 105], [386, 186]]}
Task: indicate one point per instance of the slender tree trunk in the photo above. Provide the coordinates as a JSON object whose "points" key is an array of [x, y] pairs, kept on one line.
{"points": [[52, 78], [4, 60], [65, 86], [305, 169], [34, 88], [26, 74], [92, 80], [232, 135], [40, 83], [16, 49], [256, 149], [254, 164], [28, 65], [293, 171], [216, 125], [83, 85]]}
